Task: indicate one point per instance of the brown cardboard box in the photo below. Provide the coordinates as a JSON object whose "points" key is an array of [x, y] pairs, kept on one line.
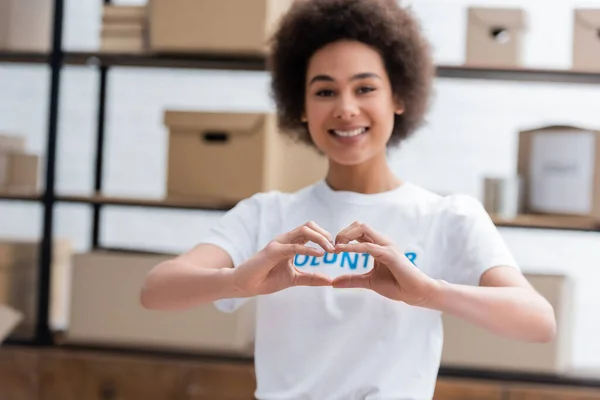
{"points": [[230, 156], [19, 173], [586, 40], [112, 13], [19, 272], [12, 144], [26, 25], [468, 346], [129, 45], [9, 319], [208, 26], [106, 310], [561, 167], [494, 37], [124, 29]]}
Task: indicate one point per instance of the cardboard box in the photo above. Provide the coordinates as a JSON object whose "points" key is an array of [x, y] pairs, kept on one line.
{"points": [[124, 29], [130, 45], [106, 311], [26, 25], [230, 156], [206, 26], [19, 279], [12, 144], [468, 346], [586, 40], [112, 13], [494, 37], [19, 173], [561, 166], [9, 319]]}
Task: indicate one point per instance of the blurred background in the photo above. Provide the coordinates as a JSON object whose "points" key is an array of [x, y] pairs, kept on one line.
{"points": [[93, 128]]}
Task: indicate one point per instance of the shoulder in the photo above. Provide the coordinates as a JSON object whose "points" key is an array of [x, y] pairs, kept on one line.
{"points": [[445, 205], [450, 214], [461, 205], [449, 205], [461, 213]]}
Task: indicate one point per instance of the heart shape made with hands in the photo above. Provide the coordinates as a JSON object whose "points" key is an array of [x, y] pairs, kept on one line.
{"points": [[393, 275]]}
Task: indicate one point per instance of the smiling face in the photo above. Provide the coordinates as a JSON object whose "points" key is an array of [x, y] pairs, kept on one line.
{"points": [[349, 104]]}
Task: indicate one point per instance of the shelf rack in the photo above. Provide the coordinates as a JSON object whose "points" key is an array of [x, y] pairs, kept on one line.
{"points": [[57, 58], [217, 62]]}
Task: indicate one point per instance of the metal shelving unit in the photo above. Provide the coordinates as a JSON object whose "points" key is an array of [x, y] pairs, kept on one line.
{"points": [[58, 58], [216, 62]]}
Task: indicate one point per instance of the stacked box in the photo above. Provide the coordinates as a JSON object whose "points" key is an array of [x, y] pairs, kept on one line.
{"points": [[231, 27], [226, 157], [124, 29], [494, 37], [18, 169], [586, 40]]}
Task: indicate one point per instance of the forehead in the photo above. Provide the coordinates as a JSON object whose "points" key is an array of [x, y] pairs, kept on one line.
{"points": [[343, 59]]}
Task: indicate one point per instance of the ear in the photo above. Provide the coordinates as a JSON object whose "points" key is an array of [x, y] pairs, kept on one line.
{"points": [[399, 107]]}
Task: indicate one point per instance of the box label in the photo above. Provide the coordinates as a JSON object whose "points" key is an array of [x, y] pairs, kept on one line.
{"points": [[562, 172]]}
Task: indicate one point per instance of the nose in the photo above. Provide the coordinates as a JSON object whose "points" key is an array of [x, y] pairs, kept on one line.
{"points": [[346, 108]]}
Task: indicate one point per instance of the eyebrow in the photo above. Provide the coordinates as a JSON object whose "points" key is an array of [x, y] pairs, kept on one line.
{"points": [[327, 78]]}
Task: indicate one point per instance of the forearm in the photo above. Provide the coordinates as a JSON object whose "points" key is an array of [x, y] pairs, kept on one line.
{"points": [[512, 312], [176, 285]]}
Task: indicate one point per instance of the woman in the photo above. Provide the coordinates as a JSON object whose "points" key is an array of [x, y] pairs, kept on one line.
{"points": [[352, 274]]}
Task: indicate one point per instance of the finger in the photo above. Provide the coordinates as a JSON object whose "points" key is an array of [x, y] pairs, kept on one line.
{"points": [[343, 233], [314, 226], [352, 281], [305, 234], [311, 279], [289, 250], [378, 252], [362, 233]]}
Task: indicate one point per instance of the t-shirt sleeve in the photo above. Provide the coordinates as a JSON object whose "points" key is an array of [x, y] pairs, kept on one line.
{"points": [[236, 232], [473, 243]]}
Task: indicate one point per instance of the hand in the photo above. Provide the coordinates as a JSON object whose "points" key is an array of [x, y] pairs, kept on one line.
{"points": [[392, 276], [272, 269]]}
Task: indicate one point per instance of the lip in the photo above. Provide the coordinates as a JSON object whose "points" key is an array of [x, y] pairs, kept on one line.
{"points": [[350, 139], [348, 128]]}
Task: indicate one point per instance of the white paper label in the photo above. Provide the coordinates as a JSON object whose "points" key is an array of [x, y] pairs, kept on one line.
{"points": [[562, 172]]}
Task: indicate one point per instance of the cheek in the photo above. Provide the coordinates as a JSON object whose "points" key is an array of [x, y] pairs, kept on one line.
{"points": [[317, 114], [384, 116]]}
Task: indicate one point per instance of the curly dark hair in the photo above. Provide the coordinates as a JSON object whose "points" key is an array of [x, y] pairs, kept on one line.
{"points": [[384, 25]]}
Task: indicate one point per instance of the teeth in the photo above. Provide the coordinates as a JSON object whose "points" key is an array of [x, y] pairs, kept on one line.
{"points": [[354, 132]]}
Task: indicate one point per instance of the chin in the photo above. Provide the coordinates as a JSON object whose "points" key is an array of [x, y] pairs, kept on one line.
{"points": [[348, 160]]}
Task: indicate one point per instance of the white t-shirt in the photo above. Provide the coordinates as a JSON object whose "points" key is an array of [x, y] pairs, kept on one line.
{"points": [[327, 344]]}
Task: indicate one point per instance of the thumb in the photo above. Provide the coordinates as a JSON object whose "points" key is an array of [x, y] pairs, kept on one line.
{"points": [[352, 281], [311, 279]]}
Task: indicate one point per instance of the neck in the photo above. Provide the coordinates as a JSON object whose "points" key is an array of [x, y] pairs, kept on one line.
{"points": [[372, 176]]}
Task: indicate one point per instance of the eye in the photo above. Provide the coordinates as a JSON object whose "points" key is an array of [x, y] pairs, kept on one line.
{"points": [[325, 93], [365, 89]]}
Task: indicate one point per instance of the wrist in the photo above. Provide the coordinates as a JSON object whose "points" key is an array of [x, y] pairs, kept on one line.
{"points": [[229, 279], [437, 296]]}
